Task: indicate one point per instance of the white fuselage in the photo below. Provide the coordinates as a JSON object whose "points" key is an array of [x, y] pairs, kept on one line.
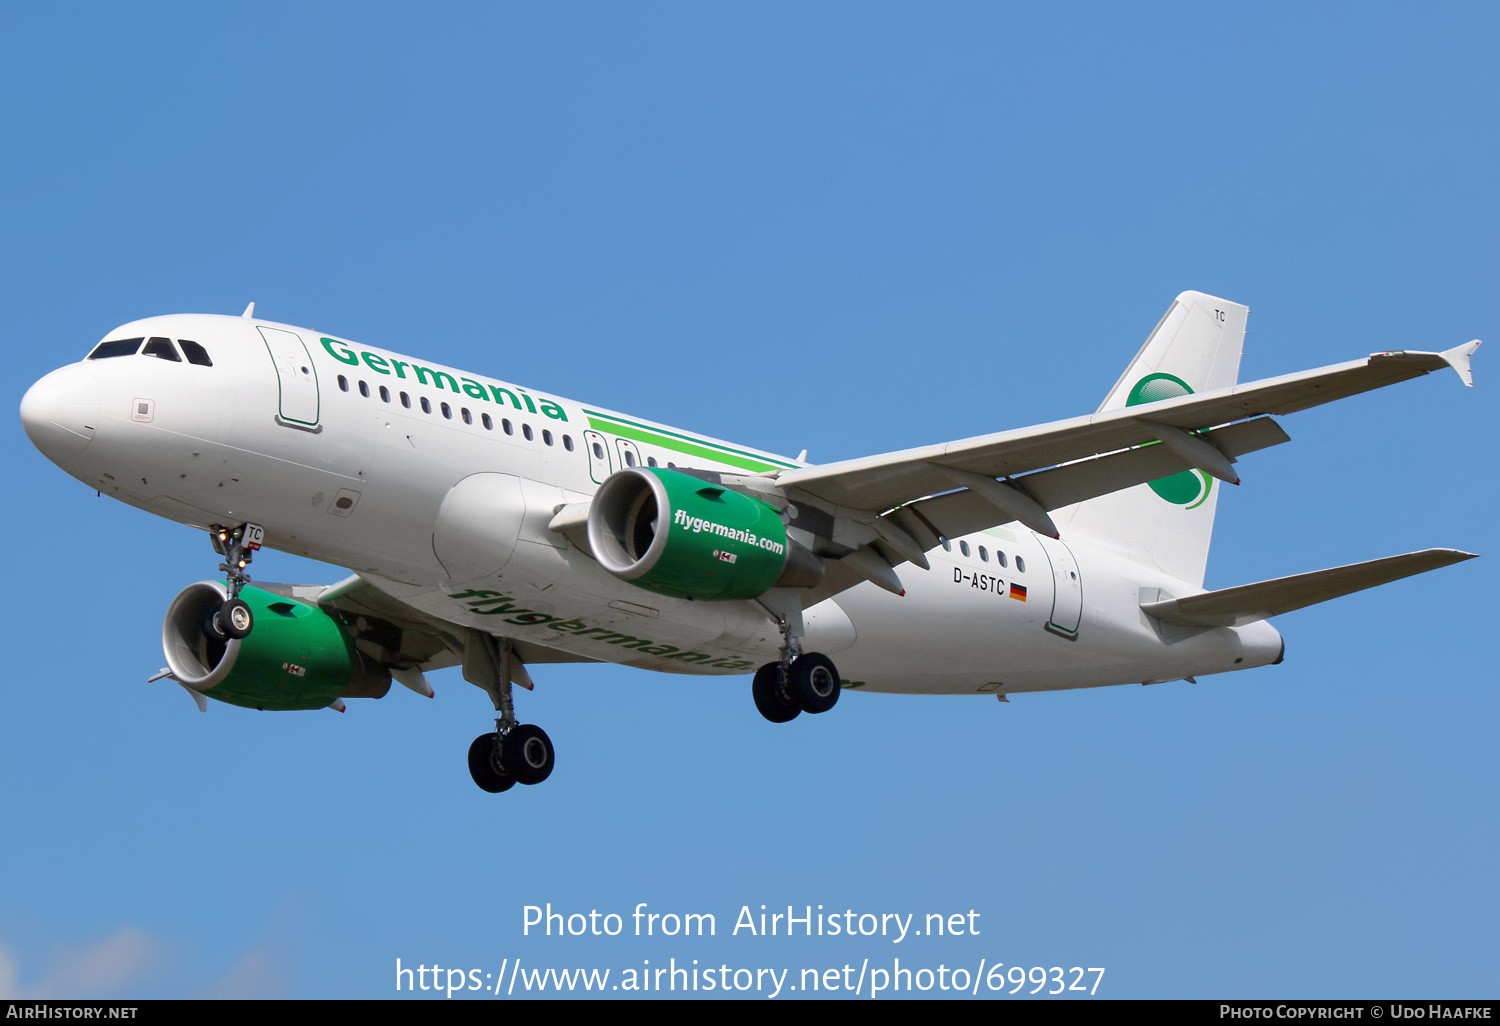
{"points": [[437, 486]]}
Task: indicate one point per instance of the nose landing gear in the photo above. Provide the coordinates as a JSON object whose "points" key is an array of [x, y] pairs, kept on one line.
{"points": [[238, 546]]}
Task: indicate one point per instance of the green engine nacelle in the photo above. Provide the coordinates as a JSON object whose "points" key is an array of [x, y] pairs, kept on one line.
{"points": [[675, 534], [296, 657]]}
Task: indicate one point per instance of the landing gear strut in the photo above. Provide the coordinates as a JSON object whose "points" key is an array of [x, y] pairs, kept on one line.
{"points": [[798, 682], [237, 545], [515, 753]]}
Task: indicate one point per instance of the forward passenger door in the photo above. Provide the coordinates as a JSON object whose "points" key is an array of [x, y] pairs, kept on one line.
{"points": [[296, 376]]}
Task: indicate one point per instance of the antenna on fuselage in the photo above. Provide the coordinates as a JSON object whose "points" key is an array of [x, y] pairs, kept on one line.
{"points": [[249, 311]]}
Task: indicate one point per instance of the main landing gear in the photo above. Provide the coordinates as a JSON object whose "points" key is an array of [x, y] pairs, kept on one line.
{"points": [[238, 546], [514, 753], [798, 682], [521, 755], [809, 684]]}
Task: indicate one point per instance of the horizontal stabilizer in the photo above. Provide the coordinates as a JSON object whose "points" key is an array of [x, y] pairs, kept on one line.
{"points": [[1235, 607]]}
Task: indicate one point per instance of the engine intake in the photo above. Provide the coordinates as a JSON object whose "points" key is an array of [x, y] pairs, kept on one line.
{"points": [[672, 533], [296, 657]]}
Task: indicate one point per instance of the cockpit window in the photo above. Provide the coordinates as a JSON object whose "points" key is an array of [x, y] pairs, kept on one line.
{"points": [[162, 349], [195, 353], [116, 347]]}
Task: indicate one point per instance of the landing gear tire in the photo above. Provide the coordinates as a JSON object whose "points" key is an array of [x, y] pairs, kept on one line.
{"points": [[485, 767], [213, 630], [235, 619], [526, 751], [767, 691], [813, 683]]}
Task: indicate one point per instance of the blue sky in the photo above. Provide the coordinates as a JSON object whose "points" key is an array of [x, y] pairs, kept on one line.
{"points": [[845, 227]]}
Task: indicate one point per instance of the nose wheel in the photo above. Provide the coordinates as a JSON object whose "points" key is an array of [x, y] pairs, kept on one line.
{"points": [[235, 618]]}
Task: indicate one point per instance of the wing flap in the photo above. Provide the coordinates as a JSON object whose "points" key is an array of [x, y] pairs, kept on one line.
{"points": [[1235, 607], [960, 513]]}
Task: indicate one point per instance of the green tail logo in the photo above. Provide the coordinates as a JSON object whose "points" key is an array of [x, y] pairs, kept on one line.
{"points": [[1191, 487]]}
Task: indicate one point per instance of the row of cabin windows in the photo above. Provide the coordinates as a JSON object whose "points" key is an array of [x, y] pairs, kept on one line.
{"points": [[984, 554], [159, 347], [468, 418]]}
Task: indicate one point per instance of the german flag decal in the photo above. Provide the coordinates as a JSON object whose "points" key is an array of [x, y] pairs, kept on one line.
{"points": [[1018, 591]]}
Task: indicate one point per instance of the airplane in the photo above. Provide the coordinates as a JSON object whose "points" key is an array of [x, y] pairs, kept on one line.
{"points": [[498, 528]]}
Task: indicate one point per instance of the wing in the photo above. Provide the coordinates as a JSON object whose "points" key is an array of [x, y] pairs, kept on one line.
{"points": [[400, 636], [889, 509], [864, 517], [880, 483], [388, 635]]}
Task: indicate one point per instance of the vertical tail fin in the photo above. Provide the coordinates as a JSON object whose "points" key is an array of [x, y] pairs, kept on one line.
{"points": [[1168, 523]]}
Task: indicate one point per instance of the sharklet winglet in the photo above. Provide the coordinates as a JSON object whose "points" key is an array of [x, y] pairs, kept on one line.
{"points": [[1458, 359]]}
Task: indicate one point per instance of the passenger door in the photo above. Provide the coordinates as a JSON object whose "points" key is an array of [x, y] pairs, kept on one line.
{"points": [[1067, 589], [296, 377]]}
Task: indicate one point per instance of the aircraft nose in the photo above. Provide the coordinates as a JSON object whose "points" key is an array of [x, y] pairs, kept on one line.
{"points": [[60, 412]]}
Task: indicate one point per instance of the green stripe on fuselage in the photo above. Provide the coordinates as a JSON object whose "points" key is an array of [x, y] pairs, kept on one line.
{"points": [[683, 444]]}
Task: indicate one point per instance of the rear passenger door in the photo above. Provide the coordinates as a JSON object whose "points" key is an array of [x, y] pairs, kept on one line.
{"points": [[1067, 594]]}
